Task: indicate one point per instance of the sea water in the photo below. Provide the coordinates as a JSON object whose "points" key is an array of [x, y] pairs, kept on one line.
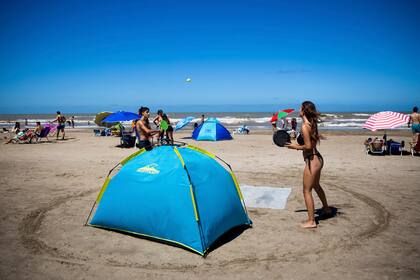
{"points": [[231, 120]]}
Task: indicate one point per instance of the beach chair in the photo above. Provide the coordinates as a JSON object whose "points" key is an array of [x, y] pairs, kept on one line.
{"points": [[44, 134], [23, 137], [376, 147], [395, 148], [415, 147]]}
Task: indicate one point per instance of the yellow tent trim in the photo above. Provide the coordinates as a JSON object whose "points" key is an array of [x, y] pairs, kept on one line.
{"points": [[201, 151], [179, 156], [124, 161], [101, 193], [236, 185], [151, 236], [194, 205]]}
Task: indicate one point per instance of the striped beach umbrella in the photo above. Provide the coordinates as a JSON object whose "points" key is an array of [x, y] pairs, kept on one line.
{"points": [[386, 120]]}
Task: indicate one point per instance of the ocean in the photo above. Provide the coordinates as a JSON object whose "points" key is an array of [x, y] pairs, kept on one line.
{"points": [[254, 120]]}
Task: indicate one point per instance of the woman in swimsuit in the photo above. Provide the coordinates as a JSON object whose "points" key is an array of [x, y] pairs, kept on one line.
{"points": [[170, 130], [144, 130], [157, 120], [313, 159]]}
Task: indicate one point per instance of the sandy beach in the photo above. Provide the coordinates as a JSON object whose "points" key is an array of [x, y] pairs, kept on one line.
{"points": [[47, 190]]}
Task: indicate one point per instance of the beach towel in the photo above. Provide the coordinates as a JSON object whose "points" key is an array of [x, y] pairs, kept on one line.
{"points": [[265, 197]]}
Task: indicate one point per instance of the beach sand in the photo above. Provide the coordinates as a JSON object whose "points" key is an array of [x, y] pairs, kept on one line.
{"points": [[47, 190]]}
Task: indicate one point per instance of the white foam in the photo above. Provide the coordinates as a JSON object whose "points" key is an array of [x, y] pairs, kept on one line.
{"points": [[361, 114]]}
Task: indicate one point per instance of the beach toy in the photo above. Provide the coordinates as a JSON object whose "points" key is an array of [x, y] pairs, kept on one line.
{"points": [[281, 137], [164, 125], [181, 195]]}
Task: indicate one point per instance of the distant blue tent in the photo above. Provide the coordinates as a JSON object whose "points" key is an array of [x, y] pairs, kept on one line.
{"points": [[211, 130], [181, 195]]}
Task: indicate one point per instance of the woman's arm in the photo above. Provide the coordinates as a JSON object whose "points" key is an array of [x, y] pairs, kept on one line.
{"points": [[306, 139], [156, 120]]}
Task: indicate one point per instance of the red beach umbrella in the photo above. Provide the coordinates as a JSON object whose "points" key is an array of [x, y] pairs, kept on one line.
{"points": [[281, 114], [385, 120]]}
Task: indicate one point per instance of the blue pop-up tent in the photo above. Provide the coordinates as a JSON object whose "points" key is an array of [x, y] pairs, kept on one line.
{"points": [[211, 130], [181, 195]]}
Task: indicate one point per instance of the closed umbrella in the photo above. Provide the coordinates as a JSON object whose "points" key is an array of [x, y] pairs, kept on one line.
{"points": [[100, 117], [386, 120]]}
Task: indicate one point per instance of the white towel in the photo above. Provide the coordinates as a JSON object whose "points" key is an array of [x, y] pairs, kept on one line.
{"points": [[265, 197]]}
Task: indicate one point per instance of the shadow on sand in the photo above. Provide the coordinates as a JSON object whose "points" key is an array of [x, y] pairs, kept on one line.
{"points": [[320, 215]]}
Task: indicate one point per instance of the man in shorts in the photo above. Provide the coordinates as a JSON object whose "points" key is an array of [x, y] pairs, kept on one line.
{"points": [[415, 123], [61, 120]]}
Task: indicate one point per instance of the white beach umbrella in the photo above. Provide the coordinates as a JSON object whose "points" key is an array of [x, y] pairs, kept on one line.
{"points": [[386, 120]]}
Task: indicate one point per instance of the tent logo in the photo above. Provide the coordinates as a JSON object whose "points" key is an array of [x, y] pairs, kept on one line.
{"points": [[149, 169]]}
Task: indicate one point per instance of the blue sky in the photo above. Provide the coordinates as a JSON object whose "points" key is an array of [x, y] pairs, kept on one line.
{"points": [[93, 55]]}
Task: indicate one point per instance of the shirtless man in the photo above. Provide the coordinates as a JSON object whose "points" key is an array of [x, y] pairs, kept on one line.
{"points": [[144, 130], [61, 120], [415, 123]]}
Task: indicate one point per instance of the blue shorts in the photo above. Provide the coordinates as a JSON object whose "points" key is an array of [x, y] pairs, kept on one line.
{"points": [[415, 128]]}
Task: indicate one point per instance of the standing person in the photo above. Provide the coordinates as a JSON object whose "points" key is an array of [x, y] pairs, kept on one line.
{"points": [[157, 120], [274, 123], [145, 132], [169, 130], [415, 123], [72, 121], [313, 161], [16, 129], [61, 120], [202, 118], [294, 124]]}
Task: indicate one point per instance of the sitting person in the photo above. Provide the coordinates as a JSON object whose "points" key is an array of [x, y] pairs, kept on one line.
{"points": [[368, 141], [25, 136], [16, 129], [243, 129], [377, 144], [38, 129]]}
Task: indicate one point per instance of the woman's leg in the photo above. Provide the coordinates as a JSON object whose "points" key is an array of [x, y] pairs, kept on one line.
{"points": [[319, 191], [171, 137], [308, 183]]}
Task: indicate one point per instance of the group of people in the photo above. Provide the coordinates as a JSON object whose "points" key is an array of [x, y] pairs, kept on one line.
{"points": [[284, 124], [145, 133], [290, 127], [27, 135], [314, 161]]}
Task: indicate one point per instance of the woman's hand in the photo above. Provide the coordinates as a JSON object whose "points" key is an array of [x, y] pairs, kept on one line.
{"points": [[293, 146]]}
